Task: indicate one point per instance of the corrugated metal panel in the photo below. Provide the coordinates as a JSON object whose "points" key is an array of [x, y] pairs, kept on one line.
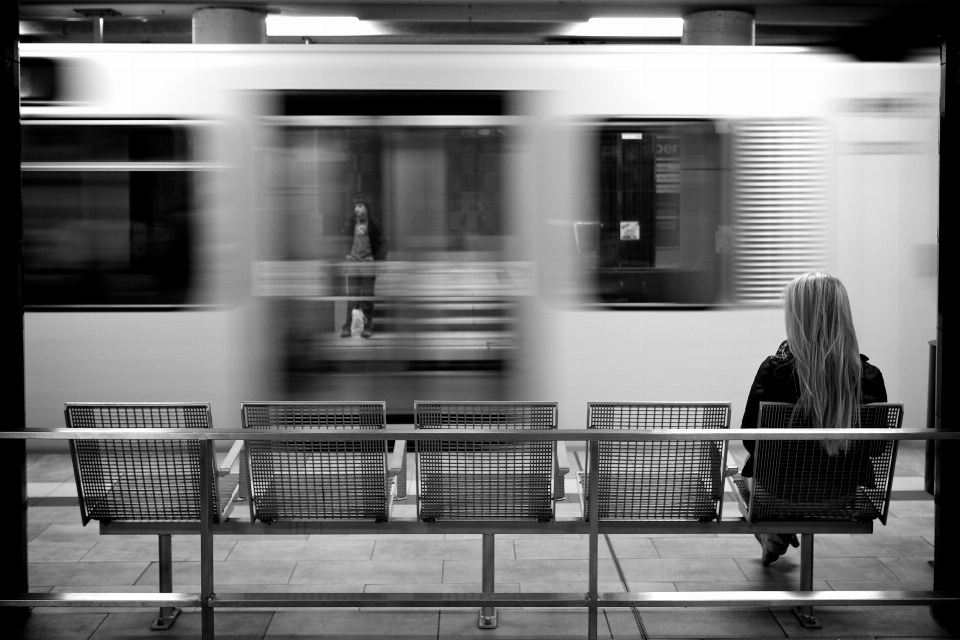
{"points": [[781, 199]]}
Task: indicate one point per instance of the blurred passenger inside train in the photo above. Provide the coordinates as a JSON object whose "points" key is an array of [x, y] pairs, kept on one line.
{"points": [[367, 245], [820, 369]]}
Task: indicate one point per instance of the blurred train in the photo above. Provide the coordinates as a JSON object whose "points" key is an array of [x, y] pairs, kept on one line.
{"points": [[563, 223]]}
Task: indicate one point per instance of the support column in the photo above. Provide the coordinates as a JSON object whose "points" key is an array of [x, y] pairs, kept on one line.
{"points": [[735, 28], [227, 25], [488, 615], [946, 554], [13, 476]]}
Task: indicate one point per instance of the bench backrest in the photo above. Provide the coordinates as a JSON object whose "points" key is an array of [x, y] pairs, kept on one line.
{"points": [[295, 480], [670, 480], [485, 480], [798, 479], [139, 480]]}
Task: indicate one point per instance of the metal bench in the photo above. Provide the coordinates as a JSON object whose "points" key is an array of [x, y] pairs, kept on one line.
{"points": [[146, 481], [302, 480], [668, 480], [453, 505], [488, 480], [798, 481]]}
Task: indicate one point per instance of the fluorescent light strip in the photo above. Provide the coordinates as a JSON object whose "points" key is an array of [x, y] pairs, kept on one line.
{"points": [[318, 26], [630, 28]]}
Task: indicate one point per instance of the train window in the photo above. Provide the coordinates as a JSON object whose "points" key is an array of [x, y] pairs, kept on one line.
{"points": [[436, 191], [445, 298], [107, 209], [659, 208]]}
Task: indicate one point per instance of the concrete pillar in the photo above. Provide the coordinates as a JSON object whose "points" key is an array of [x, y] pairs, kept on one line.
{"points": [[719, 28], [946, 553], [227, 25], [13, 479]]}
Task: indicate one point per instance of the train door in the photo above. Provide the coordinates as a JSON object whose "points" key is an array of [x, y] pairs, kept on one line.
{"points": [[437, 295]]}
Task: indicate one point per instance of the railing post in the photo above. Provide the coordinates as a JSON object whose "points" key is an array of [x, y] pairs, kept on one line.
{"points": [[593, 480], [488, 615], [206, 539], [165, 560], [805, 613]]}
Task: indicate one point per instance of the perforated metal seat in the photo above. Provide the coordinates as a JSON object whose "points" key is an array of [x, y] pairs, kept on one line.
{"points": [[797, 480], [670, 480], [291, 480], [485, 480], [143, 480]]}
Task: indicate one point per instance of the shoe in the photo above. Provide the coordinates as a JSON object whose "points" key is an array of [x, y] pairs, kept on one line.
{"points": [[774, 545], [345, 333], [366, 333]]}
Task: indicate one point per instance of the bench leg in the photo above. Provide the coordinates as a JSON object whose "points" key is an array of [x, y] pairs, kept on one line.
{"points": [[805, 614], [167, 614], [488, 615]]}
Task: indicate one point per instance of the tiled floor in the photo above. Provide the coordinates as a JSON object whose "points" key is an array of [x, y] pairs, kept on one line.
{"points": [[65, 556]]}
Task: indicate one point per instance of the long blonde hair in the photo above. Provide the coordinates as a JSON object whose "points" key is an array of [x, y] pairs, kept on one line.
{"points": [[823, 341]]}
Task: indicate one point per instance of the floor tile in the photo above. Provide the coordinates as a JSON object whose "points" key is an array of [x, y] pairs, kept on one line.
{"points": [[74, 574], [229, 625], [520, 624], [41, 489], [672, 570], [316, 548], [707, 547], [369, 572], [51, 467], [605, 586], [696, 623], [878, 585], [823, 568], [913, 570], [441, 549], [906, 526], [789, 584], [579, 548], [355, 625], [884, 622], [567, 571], [59, 551], [911, 508], [69, 532], [43, 625], [34, 529], [439, 587], [869, 546], [60, 515], [115, 547], [186, 575]]}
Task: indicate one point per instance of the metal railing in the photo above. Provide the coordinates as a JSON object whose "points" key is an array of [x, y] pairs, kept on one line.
{"points": [[208, 600]]}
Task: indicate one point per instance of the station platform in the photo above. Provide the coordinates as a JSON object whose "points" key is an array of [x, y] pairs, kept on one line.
{"points": [[65, 556]]}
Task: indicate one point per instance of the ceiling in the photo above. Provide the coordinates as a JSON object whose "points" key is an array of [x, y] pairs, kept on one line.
{"points": [[887, 29]]}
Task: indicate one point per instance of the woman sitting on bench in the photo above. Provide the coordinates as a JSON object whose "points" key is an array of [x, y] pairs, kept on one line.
{"points": [[819, 368]]}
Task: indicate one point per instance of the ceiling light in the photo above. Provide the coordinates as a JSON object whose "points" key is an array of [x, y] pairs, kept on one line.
{"points": [[278, 25], [629, 28]]}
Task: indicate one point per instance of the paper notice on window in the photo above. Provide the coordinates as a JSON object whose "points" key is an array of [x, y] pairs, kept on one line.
{"points": [[630, 230]]}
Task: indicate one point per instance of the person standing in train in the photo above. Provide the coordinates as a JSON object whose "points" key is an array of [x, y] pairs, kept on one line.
{"points": [[819, 368], [367, 245]]}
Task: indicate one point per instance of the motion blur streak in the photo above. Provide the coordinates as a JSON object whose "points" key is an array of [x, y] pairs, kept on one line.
{"points": [[570, 224]]}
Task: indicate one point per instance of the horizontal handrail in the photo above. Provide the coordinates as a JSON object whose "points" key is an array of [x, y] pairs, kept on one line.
{"points": [[424, 599], [404, 432]]}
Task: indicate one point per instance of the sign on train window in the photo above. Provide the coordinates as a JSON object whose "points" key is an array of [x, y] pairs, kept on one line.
{"points": [[107, 210], [659, 207]]}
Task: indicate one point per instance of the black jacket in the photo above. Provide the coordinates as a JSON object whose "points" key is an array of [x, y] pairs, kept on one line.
{"points": [[378, 244], [775, 382]]}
